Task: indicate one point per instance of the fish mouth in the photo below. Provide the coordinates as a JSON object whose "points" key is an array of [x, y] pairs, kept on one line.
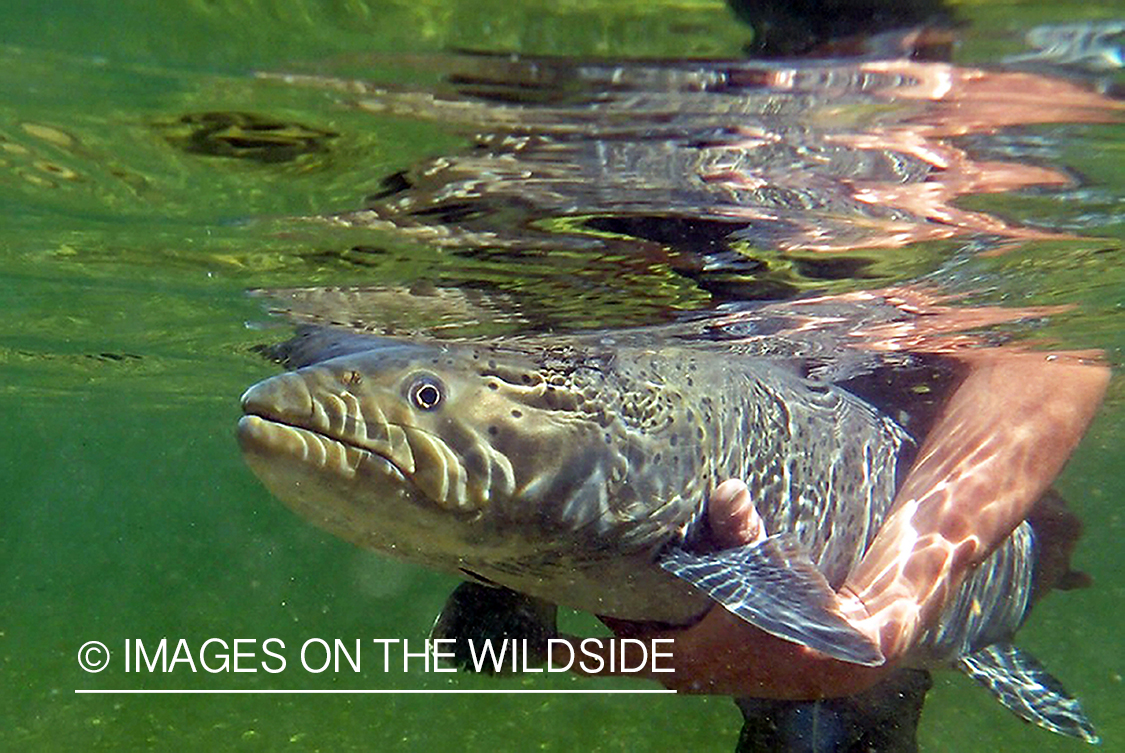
{"points": [[279, 443], [283, 421], [269, 438], [300, 424], [349, 491]]}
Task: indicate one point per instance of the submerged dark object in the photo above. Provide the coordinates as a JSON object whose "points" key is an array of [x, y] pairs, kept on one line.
{"points": [[792, 27], [245, 136], [883, 718]]}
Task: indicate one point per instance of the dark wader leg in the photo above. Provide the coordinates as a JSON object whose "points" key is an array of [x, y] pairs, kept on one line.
{"points": [[883, 719], [474, 612]]}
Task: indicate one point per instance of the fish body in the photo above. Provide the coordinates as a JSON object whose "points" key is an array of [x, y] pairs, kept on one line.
{"points": [[581, 471], [564, 472]]}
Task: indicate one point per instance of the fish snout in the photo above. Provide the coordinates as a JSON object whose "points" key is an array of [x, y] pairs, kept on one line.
{"points": [[282, 398]]}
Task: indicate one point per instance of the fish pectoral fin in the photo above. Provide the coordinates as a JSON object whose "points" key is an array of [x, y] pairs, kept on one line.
{"points": [[476, 614], [1019, 682], [773, 585]]}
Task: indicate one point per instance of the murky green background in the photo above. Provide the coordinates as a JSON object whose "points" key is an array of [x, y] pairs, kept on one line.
{"points": [[124, 344]]}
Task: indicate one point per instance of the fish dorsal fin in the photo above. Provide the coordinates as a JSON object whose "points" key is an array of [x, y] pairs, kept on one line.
{"points": [[1020, 683], [315, 344], [773, 585]]}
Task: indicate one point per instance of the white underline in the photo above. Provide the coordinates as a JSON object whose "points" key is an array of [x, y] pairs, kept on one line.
{"points": [[136, 691]]}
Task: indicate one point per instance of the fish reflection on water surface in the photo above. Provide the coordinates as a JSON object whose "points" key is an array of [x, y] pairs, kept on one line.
{"points": [[891, 459], [800, 157]]}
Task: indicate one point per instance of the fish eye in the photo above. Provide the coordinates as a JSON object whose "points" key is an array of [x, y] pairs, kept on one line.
{"points": [[426, 393]]}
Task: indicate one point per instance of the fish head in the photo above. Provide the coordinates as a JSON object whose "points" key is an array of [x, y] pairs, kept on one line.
{"points": [[437, 451]]}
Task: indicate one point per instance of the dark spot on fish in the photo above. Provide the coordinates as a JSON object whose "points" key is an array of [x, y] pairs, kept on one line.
{"points": [[673, 440], [517, 413], [493, 386], [493, 431]]}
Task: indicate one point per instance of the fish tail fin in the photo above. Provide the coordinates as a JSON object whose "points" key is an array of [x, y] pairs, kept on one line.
{"points": [[1020, 682]]}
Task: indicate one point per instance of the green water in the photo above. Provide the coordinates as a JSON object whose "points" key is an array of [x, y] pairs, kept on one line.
{"points": [[127, 512]]}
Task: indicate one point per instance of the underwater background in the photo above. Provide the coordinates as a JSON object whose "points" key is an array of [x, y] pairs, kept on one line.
{"points": [[149, 178]]}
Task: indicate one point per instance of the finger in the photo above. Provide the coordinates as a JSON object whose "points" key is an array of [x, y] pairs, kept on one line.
{"points": [[733, 517]]}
